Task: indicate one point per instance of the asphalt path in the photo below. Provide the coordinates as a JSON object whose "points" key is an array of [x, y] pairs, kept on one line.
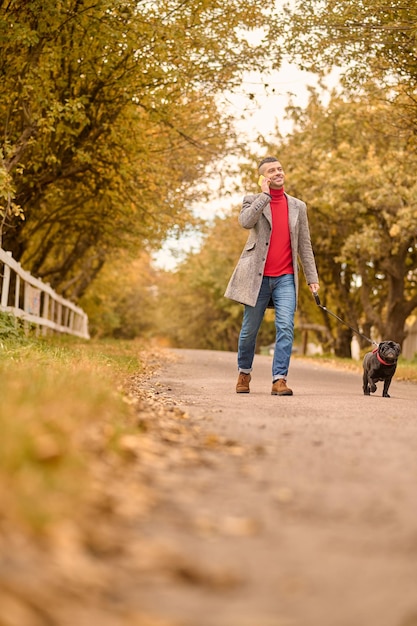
{"points": [[204, 381], [319, 518]]}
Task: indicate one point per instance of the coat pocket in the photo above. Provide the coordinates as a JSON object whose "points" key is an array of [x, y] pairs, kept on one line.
{"points": [[248, 249]]}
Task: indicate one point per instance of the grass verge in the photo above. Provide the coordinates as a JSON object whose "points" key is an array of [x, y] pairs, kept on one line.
{"points": [[61, 405]]}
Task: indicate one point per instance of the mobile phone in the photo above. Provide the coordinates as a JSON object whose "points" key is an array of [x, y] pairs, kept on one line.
{"points": [[260, 179]]}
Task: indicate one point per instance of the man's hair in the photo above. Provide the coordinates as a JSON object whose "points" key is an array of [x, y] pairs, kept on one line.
{"points": [[269, 159]]}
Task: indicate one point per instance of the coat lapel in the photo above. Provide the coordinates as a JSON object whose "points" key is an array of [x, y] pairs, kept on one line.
{"points": [[292, 212], [267, 213]]}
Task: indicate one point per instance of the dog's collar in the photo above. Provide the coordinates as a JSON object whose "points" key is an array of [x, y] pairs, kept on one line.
{"points": [[381, 360]]}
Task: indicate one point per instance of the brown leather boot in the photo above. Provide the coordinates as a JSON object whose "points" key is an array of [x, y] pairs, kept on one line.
{"points": [[279, 388], [243, 381]]}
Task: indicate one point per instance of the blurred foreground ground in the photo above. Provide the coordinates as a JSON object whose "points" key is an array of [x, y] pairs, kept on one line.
{"points": [[231, 510]]}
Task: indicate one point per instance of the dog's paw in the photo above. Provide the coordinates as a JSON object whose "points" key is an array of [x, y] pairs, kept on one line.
{"points": [[386, 395]]}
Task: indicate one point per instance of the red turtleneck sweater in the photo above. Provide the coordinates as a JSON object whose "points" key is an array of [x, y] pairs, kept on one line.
{"points": [[279, 258]]}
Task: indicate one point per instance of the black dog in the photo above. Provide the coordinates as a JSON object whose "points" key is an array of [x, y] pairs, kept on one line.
{"points": [[380, 365]]}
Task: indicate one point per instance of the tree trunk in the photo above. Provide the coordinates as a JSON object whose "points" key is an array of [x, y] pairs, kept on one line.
{"points": [[343, 343]]}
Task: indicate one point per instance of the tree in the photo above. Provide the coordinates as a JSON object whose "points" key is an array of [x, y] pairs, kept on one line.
{"points": [[368, 39], [121, 302], [362, 197], [373, 44], [109, 117]]}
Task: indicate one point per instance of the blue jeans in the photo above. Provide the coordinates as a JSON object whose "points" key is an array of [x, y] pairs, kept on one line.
{"points": [[282, 291]]}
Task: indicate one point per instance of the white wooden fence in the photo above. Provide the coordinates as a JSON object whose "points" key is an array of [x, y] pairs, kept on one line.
{"points": [[36, 302]]}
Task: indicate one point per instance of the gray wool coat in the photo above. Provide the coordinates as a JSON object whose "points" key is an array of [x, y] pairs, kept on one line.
{"points": [[255, 215]]}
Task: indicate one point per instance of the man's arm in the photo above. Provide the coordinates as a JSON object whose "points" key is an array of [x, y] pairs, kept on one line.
{"points": [[306, 254], [252, 209]]}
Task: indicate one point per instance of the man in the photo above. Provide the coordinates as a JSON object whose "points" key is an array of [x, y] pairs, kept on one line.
{"points": [[267, 272]]}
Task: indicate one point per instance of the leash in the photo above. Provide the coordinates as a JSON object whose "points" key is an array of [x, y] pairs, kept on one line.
{"points": [[317, 300]]}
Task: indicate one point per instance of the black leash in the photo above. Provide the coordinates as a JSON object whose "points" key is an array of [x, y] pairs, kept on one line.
{"points": [[317, 299]]}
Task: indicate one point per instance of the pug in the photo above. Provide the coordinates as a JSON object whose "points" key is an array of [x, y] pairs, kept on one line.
{"points": [[380, 365]]}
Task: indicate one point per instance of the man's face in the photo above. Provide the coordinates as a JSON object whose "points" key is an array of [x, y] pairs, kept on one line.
{"points": [[274, 172]]}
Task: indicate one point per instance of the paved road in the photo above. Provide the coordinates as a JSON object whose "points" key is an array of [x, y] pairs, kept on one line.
{"points": [[204, 381], [321, 523]]}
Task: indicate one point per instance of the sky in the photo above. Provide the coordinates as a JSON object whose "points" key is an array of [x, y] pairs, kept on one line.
{"points": [[258, 115], [269, 109]]}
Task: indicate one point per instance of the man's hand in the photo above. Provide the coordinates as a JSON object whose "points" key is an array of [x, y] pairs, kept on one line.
{"points": [[265, 185], [314, 287]]}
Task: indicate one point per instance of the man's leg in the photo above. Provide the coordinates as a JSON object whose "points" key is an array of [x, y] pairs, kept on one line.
{"points": [[252, 319], [283, 296]]}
